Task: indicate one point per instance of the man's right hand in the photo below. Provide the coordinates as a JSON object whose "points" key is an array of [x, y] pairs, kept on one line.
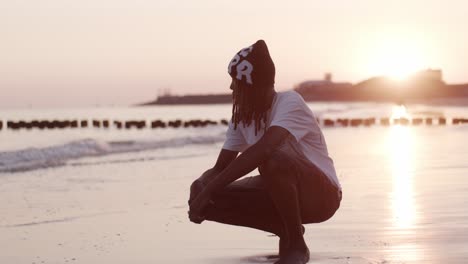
{"points": [[198, 206]]}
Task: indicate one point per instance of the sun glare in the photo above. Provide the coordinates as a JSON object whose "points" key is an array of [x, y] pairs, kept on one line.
{"points": [[401, 143], [399, 111], [396, 57]]}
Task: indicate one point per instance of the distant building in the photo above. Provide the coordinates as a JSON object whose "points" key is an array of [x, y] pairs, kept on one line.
{"points": [[321, 89], [429, 74], [328, 77], [327, 80]]}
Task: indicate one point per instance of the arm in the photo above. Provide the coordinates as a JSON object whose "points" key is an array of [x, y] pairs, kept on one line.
{"points": [[245, 163], [250, 159], [225, 157]]}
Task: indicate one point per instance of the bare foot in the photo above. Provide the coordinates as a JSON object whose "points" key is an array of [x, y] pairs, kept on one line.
{"points": [[295, 256], [283, 244]]}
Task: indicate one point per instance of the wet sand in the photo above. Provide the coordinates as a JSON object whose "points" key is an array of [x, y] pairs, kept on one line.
{"points": [[404, 201]]}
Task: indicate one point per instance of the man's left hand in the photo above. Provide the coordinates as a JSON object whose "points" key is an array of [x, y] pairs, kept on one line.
{"points": [[201, 201]]}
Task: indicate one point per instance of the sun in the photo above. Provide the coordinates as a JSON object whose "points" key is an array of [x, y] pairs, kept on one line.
{"points": [[396, 57]]}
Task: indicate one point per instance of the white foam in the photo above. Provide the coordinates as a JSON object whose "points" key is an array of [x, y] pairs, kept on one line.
{"points": [[37, 158]]}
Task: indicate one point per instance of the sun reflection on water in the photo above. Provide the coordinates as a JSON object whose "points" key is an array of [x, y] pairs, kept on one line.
{"points": [[401, 149], [399, 111], [401, 146]]}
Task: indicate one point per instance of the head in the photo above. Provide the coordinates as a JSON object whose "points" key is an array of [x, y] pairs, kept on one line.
{"points": [[253, 77]]}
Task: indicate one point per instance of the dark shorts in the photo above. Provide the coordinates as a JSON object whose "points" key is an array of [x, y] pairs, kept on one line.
{"points": [[247, 201]]}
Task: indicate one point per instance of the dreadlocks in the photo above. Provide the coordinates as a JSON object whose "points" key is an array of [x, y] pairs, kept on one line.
{"points": [[253, 77], [250, 104]]}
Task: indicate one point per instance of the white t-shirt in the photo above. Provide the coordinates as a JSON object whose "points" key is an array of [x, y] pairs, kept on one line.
{"points": [[290, 112]]}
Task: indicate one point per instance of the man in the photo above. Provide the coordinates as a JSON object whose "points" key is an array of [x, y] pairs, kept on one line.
{"points": [[278, 134]]}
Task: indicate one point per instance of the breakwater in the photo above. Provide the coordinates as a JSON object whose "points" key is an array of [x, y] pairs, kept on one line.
{"points": [[16, 125]]}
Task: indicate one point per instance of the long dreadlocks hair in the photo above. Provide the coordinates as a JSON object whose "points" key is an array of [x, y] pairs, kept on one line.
{"points": [[253, 77], [249, 104]]}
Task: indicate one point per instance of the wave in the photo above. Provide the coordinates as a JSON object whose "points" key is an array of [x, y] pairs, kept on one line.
{"points": [[53, 156]]}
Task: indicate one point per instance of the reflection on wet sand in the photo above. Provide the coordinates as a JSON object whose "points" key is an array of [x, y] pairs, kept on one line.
{"points": [[402, 153], [402, 161]]}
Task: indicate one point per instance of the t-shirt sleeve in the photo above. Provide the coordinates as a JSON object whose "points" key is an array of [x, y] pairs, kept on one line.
{"points": [[235, 141], [294, 115]]}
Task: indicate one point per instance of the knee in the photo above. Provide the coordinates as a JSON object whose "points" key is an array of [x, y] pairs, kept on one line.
{"points": [[276, 165], [271, 164]]}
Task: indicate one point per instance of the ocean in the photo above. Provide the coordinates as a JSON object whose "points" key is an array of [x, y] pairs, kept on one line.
{"points": [[38, 149], [109, 195]]}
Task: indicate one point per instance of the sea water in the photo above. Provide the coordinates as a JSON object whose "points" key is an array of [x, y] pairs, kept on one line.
{"points": [[33, 149]]}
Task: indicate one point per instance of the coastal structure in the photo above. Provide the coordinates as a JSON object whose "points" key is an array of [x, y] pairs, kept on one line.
{"points": [[423, 86], [317, 90], [168, 99]]}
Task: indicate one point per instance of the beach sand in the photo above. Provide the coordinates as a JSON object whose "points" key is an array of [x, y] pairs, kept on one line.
{"points": [[404, 201]]}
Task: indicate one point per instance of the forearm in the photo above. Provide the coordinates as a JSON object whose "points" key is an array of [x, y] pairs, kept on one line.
{"points": [[235, 168], [199, 184], [242, 165], [208, 175]]}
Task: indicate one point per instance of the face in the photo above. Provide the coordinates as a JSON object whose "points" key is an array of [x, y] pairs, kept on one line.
{"points": [[233, 85], [236, 85]]}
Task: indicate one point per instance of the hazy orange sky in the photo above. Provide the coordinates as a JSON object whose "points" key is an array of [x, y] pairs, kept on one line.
{"points": [[57, 53]]}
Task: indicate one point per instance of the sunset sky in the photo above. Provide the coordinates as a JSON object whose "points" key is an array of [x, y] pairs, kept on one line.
{"points": [[60, 53]]}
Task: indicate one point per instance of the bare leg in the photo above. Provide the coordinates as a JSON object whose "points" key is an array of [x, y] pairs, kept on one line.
{"points": [[279, 201], [246, 202], [281, 179]]}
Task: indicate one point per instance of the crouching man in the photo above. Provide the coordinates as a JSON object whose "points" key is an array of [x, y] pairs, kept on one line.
{"points": [[277, 133]]}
